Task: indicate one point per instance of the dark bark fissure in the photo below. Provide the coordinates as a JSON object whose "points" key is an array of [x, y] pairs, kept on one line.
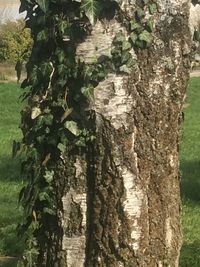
{"points": [[107, 242]]}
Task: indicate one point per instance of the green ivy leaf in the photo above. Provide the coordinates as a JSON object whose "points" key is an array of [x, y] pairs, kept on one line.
{"points": [[43, 4], [90, 7], [125, 69], [72, 127], [197, 35], [49, 176], [48, 119], [62, 69], [131, 63], [49, 211], [133, 37], [126, 46], [42, 35], [116, 51], [145, 36], [140, 44], [88, 92], [63, 26], [119, 38], [60, 55], [152, 8], [81, 142], [61, 147], [140, 13], [126, 56], [149, 25], [33, 79], [46, 69], [135, 26]]}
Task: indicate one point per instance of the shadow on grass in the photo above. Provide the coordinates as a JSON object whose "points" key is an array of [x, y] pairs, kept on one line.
{"points": [[11, 244], [10, 213], [190, 255], [8, 262], [190, 180], [10, 169]]}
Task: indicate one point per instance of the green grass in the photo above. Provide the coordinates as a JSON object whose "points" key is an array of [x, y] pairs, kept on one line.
{"points": [[10, 182], [190, 184]]}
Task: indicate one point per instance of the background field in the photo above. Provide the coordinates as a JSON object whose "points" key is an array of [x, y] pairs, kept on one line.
{"points": [[190, 182], [11, 182]]}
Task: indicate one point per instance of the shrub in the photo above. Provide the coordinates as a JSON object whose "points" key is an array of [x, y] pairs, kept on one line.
{"points": [[15, 41]]}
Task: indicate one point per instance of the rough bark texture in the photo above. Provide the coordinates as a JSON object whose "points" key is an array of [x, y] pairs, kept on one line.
{"points": [[121, 203]]}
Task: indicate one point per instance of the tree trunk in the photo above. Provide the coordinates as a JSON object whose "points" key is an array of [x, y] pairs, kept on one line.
{"points": [[132, 215], [120, 199]]}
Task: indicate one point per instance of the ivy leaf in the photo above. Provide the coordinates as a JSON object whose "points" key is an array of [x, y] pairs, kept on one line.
{"points": [[43, 196], [72, 127], [49, 176], [42, 35], [44, 5], [49, 211], [63, 26], [23, 6], [33, 75], [131, 63], [46, 69], [126, 46], [125, 56], [125, 69], [140, 44], [135, 26], [119, 38], [60, 55], [88, 92], [145, 36], [61, 147], [62, 69], [90, 7], [133, 37], [140, 13], [150, 25], [197, 35], [152, 8], [35, 112]]}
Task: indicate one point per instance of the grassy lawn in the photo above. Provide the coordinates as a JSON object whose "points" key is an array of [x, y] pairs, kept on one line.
{"points": [[190, 168], [10, 182]]}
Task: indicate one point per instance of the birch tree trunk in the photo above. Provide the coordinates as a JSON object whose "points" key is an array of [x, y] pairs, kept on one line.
{"points": [[120, 200]]}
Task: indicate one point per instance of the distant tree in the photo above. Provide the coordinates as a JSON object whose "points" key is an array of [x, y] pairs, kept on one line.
{"points": [[15, 42]]}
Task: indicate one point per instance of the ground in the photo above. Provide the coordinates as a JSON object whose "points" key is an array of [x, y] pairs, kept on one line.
{"points": [[11, 180]]}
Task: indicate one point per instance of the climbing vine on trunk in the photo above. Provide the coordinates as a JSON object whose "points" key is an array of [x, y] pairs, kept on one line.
{"points": [[59, 89]]}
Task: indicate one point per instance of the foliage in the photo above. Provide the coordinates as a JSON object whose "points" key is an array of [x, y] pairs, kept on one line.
{"points": [[60, 85], [15, 41]]}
